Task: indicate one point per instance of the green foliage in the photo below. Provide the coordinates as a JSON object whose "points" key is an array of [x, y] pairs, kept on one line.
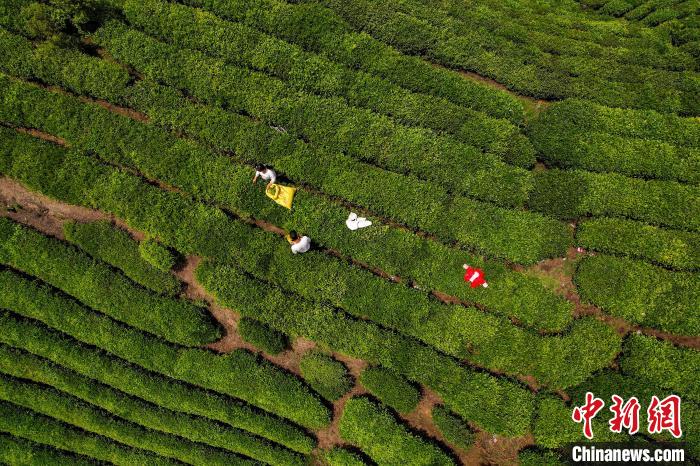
{"points": [[391, 389], [115, 403], [103, 289], [508, 409], [260, 335], [16, 450], [342, 457], [157, 255], [328, 122], [536, 457], [453, 428], [245, 46], [572, 194], [115, 247], [168, 393], [313, 214], [26, 424], [578, 134], [641, 293], [661, 364], [68, 409], [383, 438], [327, 376], [672, 248], [258, 382], [61, 20]]}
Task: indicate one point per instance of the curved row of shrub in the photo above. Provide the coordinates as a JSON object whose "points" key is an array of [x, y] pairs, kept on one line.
{"points": [[111, 245], [578, 134], [28, 425], [671, 248], [642, 293], [22, 365], [576, 193], [539, 75], [242, 45], [314, 215], [325, 122], [102, 288], [463, 332], [455, 430], [256, 381], [477, 396], [319, 30], [391, 388], [661, 364], [378, 433], [16, 450], [72, 411], [170, 394]]}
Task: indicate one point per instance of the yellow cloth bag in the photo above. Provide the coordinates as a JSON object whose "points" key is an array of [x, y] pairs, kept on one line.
{"points": [[283, 195]]}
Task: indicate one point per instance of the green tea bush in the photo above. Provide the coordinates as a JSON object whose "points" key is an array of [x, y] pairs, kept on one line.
{"points": [[157, 255], [661, 364], [328, 122], [165, 392], [319, 218], [99, 286], [391, 389], [115, 247], [537, 457], [16, 450], [577, 134], [672, 248], [572, 194], [385, 439], [26, 424], [641, 293], [342, 457], [245, 46], [464, 390], [260, 335], [453, 428], [258, 382], [327, 376], [70, 410], [194, 429]]}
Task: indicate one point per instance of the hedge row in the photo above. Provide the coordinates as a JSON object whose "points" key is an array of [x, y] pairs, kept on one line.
{"points": [[608, 383], [464, 332], [26, 424], [453, 428], [314, 215], [257, 382], [536, 457], [157, 255], [328, 377], [15, 450], [641, 293], [391, 388], [25, 366], [319, 30], [326, 122], [168, 393], [70, 410], [572, 194], [343, 457], [102, 288], [244, 46], [539, 75], [661, 364], [498, 406], [111, 245], [672, 248], [400, 197], [378, 433], [577, 134], [553, 31], [261, 336]]}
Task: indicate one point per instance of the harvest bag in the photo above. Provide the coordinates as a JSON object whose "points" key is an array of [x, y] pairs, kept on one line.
{"points": [[283, 195]]}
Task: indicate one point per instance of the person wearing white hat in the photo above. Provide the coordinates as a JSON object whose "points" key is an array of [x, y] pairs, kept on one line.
{"points": [[354, 222]]}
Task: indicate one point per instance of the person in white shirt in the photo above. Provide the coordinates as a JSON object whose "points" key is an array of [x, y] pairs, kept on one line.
{"points": [[267, 174], [299, 245]]}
